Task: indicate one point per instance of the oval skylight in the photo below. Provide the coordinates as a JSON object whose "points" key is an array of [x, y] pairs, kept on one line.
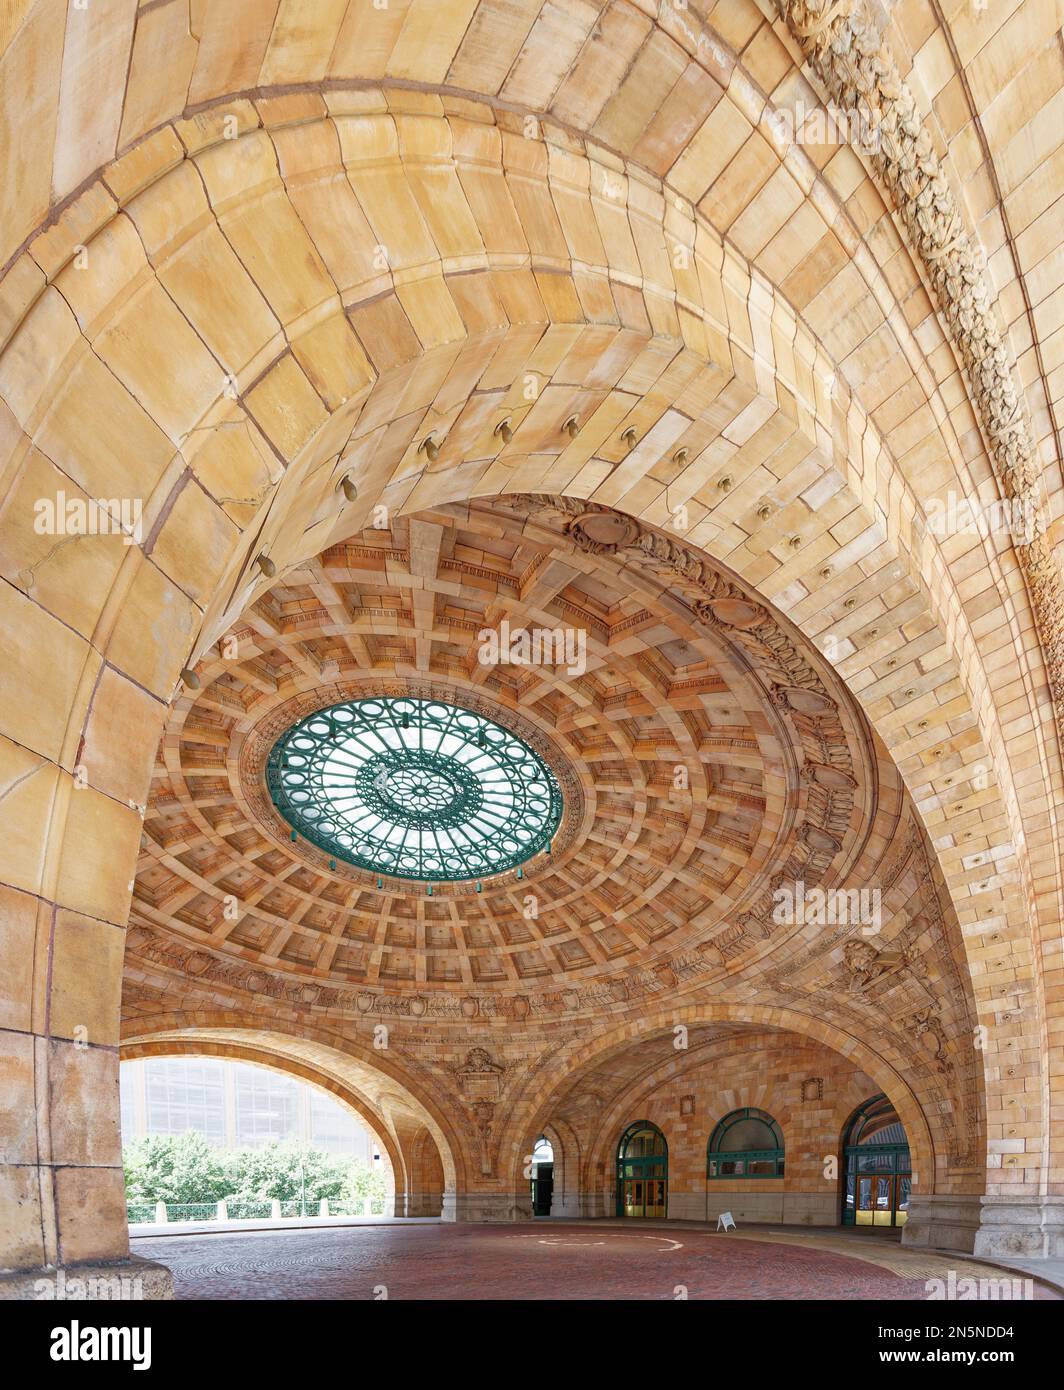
{"points": [[414, 789]]}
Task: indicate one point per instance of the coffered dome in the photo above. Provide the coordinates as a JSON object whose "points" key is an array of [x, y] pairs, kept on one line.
{"points": [[682, 753]]}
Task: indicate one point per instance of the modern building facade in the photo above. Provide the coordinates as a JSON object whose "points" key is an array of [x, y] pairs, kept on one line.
{"points": [[530, 582], [235, 1106]]}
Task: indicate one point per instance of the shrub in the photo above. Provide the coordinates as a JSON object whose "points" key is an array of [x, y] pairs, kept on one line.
{"points": [[185, 1169]]}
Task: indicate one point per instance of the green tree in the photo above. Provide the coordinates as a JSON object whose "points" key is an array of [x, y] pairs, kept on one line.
{"points": [[285, 1172], [182, 1168], [185, 1169], [362, 1181]]}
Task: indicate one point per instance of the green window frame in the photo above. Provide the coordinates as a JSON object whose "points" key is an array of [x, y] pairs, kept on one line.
{"points": [[866, 1157], [414, 789], [728, 1164], [646, 1166]]}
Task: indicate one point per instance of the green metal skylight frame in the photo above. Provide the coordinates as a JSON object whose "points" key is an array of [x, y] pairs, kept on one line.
{"points": [[414, 789]]}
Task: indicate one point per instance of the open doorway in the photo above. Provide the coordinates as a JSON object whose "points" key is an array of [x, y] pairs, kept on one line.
{"points": [[542, 1176]]}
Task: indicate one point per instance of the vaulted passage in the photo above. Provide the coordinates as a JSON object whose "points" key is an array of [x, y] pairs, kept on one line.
{"points": [[531, 600]]}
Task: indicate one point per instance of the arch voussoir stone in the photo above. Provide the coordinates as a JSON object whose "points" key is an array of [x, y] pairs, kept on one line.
{"points": [[228, 298]]}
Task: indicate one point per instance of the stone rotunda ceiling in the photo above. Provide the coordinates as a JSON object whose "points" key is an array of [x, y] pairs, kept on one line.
{"points": [[706, 755], [701, 755]]}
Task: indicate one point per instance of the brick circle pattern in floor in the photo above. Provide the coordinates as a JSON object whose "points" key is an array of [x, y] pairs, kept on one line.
{"points": [[550, 1261]]}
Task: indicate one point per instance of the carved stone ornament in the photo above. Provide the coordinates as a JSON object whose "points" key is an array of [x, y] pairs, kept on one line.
{"points": [[479, 1062], [842, 44], [480, 1077], [601, 533], [867, 965]]}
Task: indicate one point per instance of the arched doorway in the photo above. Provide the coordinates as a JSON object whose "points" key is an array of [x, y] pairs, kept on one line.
{"points": [[642, 1171], [542, 1176], [877, 1172]]}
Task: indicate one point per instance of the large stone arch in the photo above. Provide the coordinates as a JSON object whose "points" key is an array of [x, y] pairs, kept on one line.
{"points": [[380, 1089], [359, 1105], [697, 1199], [571, 1063], [177, 823], [587, 288]]}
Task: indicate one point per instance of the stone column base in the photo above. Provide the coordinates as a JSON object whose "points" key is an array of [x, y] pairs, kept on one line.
{"points": [[487, 1206], [131, 1280], [1026, 1227], [568, 1206], [423, 1204], [943, 1223], [1029, 1227], [596, 1204]]}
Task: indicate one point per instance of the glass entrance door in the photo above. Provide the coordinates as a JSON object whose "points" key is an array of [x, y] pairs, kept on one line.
{"points": [[902, 1187], [874, 1205], [882, 1200], [644, 1197], [655, 1197], [878, 1174], [642, 1172]]}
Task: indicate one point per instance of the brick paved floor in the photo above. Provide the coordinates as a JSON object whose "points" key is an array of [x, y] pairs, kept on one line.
{"points": [[526, 1261]]}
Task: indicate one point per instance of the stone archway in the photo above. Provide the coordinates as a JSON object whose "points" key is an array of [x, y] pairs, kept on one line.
{"points": [[591, 283], [396, 1163], [647, 1051], [416, 1136], [729, 915], [566, 1198], [426, 1196]]}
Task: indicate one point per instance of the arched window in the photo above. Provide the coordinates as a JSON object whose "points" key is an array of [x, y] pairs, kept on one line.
{"points": [[543, 1151], [746, 1144], [876, 1122], [642, 1171]]}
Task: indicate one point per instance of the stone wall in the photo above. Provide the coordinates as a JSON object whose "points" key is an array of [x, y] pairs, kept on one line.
{"points": [[771, 1073], [617, 209]]}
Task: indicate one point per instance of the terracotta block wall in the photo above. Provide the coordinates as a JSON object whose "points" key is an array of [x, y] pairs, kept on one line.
{"points": [[767, 1072], [425, 1194]]}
